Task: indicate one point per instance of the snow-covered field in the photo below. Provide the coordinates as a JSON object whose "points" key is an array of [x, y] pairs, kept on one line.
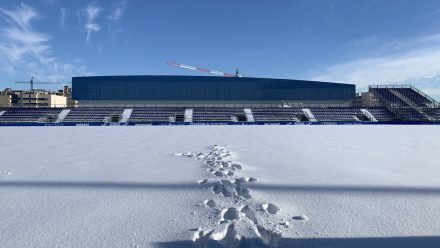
{"points": [[220, 186]]}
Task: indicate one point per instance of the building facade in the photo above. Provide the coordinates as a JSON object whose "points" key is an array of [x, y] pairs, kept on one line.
{"points": [[205, 89], [38, 99]]}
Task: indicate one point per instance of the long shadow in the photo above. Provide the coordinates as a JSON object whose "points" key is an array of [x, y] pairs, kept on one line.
{"points": [[332, 189], [97, 185], [354, 189], [385, 242]]}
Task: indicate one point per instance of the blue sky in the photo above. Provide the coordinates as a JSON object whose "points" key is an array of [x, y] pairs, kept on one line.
{"points": [[361, 42]]}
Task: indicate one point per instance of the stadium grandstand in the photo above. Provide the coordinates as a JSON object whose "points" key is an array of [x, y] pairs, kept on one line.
{"points": [[192, 100]]}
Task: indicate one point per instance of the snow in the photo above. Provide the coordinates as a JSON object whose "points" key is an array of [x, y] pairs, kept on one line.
{"points": [[220, 186]]}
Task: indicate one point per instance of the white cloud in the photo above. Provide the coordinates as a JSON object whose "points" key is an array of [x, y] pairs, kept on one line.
{"points": [[91, 12], [25, 52], [118, 11], [415, 62], [113, 27], [21, 16], [63, 16]]}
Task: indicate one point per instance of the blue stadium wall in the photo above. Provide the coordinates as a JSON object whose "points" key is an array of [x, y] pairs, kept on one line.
{"points": [[205, 88]]}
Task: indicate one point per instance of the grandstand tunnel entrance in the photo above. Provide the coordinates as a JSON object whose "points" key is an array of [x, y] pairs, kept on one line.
{"points": [[362, 117], [115, 118], [50, 118], [241, 117], [302, 117], [179, 118]]}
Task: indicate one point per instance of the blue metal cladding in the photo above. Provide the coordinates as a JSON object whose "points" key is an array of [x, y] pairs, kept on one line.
{"points": [[205, 88]]}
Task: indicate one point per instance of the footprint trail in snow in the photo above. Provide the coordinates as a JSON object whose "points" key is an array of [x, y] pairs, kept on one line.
{"points": [[242, 220]]}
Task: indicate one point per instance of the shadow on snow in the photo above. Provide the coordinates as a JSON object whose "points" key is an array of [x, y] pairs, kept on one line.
{"points": [[367, 242], [335, 189]]}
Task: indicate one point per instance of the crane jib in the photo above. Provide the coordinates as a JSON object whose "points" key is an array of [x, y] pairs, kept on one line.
{"points": [[195, 68]]}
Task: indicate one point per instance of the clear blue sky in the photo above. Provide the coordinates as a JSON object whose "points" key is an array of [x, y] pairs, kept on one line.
{"points": [[362, 42]]}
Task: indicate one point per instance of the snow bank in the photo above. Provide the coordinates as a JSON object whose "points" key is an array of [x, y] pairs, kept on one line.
{"points": [[220, 186]]}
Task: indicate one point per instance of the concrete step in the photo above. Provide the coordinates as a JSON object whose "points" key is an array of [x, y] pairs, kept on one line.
{"points": [[62, 115], [249, 115], [188, 115], [309, 114], [125, 115], [369, 115]]}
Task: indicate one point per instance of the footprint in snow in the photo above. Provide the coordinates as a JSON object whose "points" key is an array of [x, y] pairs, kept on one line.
{"points": [[210, 203], [270, 208], [300, 217]]}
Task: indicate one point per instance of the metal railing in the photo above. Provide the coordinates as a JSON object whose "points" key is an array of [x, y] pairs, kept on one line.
{"points": [[391, 107], [434, 103]]}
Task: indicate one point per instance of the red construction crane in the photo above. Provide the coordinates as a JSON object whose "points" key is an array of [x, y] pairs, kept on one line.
{"points": [[195, 68]]}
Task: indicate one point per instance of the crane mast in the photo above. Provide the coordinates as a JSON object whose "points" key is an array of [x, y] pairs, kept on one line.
{"points": [[31, 86]]}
